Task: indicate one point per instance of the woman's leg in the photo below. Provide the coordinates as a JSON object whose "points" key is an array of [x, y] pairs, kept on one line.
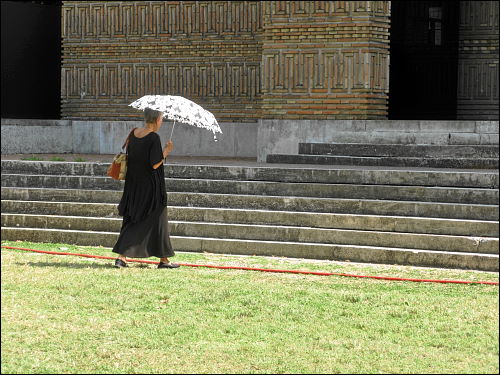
{"points": [[125, 221]]}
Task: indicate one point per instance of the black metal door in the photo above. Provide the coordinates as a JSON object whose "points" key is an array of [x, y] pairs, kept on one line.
{"points": [[424, 60], [31, 59]]}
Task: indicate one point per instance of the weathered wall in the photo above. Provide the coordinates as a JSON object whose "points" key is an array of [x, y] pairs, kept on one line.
{"points": [[321, 59], [23, 136], [278, 136], [477, 97], [20, 136], [284, 136]]}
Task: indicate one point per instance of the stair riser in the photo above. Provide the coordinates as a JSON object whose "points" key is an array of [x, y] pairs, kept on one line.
{"points": [[343, 206], [407, 193], [310, 251], [301, 219], [384, 161], [384, 192], [270, 233], [350, 206], [344, 175], [427, 151], [104, 210]]}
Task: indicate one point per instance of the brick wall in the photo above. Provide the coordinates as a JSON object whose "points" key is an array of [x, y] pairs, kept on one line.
{"points": [[325, 59], [242, 60], [115, 52], [477, 96]]}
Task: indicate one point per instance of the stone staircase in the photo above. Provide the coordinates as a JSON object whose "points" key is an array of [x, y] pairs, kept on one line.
{"points": [[400, 155], [420, 216]]}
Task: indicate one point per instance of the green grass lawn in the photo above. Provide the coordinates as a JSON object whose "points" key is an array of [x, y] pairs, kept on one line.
{"points": [[65, 314]]}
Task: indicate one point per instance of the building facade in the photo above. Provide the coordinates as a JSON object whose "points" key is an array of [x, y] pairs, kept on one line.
{"points": [[247, 60], [252, 60], [244, 60]]}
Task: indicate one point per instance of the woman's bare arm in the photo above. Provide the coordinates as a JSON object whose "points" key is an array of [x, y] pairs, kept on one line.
{"points": [[168, 148], [158, 164]]}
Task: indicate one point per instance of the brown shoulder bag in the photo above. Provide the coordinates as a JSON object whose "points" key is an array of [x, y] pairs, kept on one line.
{"points": [[118, 168]]}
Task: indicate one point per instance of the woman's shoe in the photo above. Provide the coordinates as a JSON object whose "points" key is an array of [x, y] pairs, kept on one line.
{"points": [[168, 265], [120, 263]]}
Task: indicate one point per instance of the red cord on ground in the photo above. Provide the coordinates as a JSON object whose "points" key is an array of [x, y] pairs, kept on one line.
{"points": [[265, 269]]}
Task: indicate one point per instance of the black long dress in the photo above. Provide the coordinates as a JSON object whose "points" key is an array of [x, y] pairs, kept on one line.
{"points": [[144, 232]]}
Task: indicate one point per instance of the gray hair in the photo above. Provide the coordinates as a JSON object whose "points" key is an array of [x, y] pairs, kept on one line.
{"points": [[150, 115]]}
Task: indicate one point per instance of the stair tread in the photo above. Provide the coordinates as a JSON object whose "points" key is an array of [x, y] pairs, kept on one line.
{"points": [[489, 163], [260, 196], [250, 181], [260, 210], [275, 242], [247, 225], [259, 166], [388, 157]]}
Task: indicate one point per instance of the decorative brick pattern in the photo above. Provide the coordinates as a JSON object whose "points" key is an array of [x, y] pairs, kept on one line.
{"points": [[477, 96], [242, 60], [325, 59], [115, 52]]}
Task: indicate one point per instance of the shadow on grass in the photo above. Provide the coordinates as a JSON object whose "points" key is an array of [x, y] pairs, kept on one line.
{"points": [[77, 265]]}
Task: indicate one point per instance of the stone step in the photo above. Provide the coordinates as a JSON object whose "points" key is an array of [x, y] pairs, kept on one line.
{"points": [[316, 174], [287, 218], [367, 254], [278, 233], [400, 150], [466, 163], [273, 203], [381, 192]]}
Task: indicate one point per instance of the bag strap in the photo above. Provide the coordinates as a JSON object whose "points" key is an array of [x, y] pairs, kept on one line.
{"points": [[127, 140]]}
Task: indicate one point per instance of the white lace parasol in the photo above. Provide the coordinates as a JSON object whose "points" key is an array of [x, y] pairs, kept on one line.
{"points": [[178, 108]]}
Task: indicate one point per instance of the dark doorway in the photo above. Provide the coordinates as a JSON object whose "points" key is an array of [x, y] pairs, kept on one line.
{"points": [[424, 60], [31, 59]]}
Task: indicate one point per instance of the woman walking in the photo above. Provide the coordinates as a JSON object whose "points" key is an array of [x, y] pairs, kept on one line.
{"points": [[144, 232]]}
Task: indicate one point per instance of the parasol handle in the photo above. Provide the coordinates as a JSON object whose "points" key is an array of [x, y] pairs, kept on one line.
{"points": [[172, 132]]}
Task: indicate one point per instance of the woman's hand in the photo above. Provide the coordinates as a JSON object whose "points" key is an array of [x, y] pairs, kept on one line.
{"points": [[168, 148]]}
